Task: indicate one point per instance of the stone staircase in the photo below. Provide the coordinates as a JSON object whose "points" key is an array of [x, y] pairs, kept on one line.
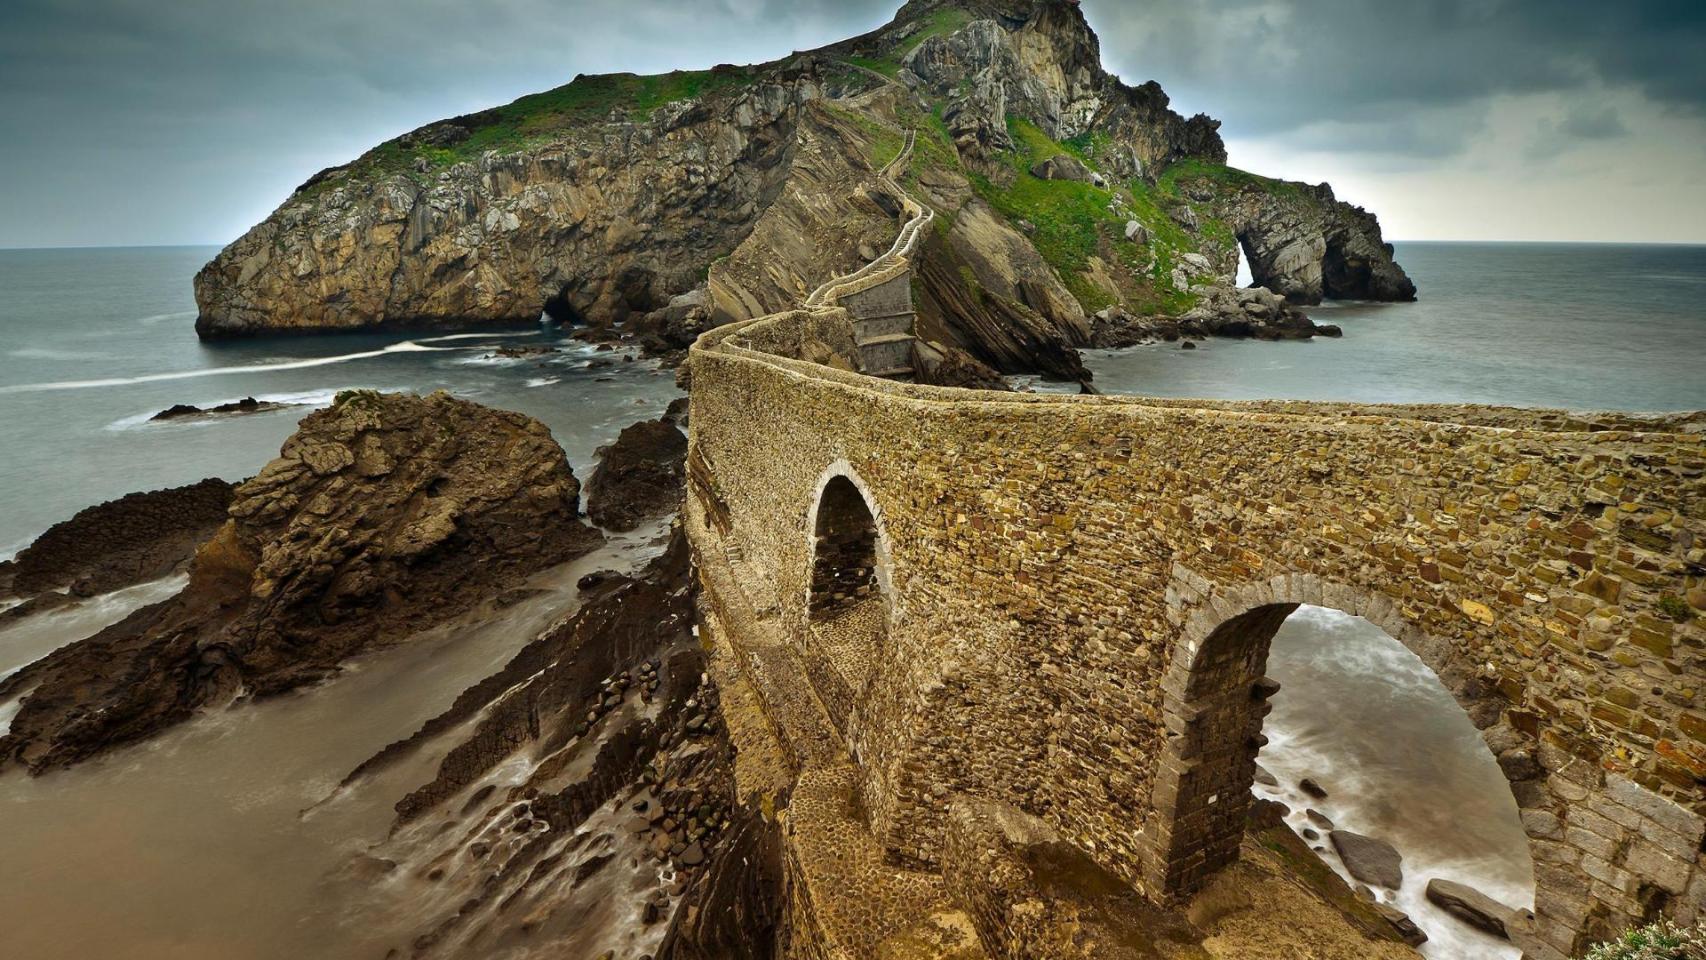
{"points": [[878, 296]]}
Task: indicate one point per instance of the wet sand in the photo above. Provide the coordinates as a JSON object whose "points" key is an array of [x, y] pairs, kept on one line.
{"points": [[195, 846]]}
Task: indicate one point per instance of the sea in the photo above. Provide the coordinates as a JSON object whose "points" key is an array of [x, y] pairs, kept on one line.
{"points": [[95, 342], [217, 839]]}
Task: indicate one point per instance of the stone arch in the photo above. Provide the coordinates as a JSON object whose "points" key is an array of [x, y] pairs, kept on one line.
{"points": [[841, 498], [1215, 698], [849, 601]]}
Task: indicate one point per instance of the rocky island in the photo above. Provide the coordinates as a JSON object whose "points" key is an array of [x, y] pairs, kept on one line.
{"points": [[668, 205]]}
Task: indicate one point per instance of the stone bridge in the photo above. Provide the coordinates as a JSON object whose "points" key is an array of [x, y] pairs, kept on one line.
{"points": [[1063, 605]]}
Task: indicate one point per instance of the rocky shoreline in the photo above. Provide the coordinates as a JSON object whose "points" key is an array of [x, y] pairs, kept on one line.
{"points": [[120, 543], [382, 515], [386, 514], [1234, 312]]}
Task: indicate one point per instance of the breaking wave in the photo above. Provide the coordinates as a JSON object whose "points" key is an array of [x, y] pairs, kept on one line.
{"points": [[407, 346]]}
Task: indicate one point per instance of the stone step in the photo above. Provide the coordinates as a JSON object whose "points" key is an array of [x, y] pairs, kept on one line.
{"points": [[886, 338], [891, 373]]}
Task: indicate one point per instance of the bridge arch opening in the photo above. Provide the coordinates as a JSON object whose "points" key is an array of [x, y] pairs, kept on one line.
{"points": [[1282, 693], [848, 601], [847, 565]]}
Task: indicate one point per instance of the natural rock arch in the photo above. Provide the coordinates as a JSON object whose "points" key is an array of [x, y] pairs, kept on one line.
{"points": [[1215, 698]]}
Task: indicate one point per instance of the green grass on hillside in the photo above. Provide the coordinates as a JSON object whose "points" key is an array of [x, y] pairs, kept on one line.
{"points": [[1073, 224], [939, 23], [1223, 176], [541, 117]]}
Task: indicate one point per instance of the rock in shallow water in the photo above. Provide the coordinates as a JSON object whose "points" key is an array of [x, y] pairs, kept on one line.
{"points": [[138, 537], [1368, 859], [382, 515], [1471, 906], [639, 476]]}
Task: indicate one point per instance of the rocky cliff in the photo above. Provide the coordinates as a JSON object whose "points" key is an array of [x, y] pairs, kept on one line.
{"points": [[671, 203]]}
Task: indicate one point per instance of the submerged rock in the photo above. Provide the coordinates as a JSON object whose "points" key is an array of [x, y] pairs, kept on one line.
{"points": [[1368, 859], [1471, 906], [382, 515], [245, 405]]}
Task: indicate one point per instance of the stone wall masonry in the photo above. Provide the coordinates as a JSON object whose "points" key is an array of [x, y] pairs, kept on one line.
{"points": [[1054, 559], [890, 298]]}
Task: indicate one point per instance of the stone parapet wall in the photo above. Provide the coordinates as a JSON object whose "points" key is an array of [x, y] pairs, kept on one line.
{"points": [[1050, 558]]}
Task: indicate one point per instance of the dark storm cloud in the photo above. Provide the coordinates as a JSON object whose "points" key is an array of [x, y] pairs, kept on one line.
{"points": [[1272, 67], [132, 121]]}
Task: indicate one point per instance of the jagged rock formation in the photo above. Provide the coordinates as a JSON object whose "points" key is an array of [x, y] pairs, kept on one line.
{"points": [[675, 203], [1253, 312], [382, 515], [638, 477], [1041, 61], [136, 538], [1308, 246], [630, 774]]}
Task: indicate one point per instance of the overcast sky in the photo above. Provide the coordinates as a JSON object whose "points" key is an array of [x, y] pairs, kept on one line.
{"points": [[185, 121]]}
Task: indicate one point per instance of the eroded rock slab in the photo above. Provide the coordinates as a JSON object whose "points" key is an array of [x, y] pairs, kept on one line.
{"points": [[138, 537], [1368, 859], [1471, 906]]}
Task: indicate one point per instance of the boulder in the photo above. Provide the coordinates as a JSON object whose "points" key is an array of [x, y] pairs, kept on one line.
{"points": [[639, 476], [1062, 167], [1471, 906], [1401, 924], [1309, 786], [383, 515], [1370, 860]]}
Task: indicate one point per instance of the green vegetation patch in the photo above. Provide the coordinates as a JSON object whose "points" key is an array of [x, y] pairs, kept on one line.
{"points": [[1658, 941], [542, 117], [1073, 224], [1228, 178], [1070, 217], [1675, 608], [937, 24], [885, 143]]}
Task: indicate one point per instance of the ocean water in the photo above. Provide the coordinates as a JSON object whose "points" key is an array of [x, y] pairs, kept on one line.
{"points": [[1371, 723], [95, 342], [1586, 327]]}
